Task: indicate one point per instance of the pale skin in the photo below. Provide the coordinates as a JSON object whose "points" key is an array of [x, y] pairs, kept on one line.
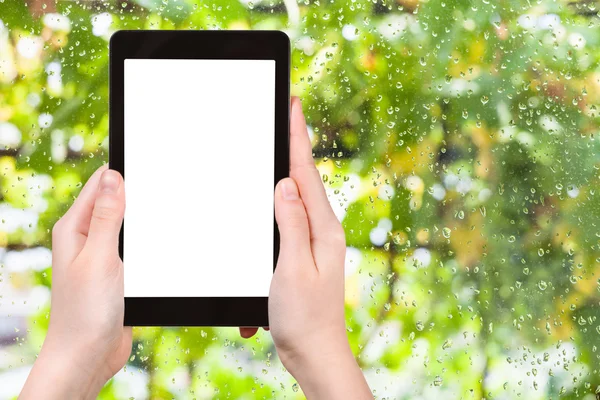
{"points": [[87, 343]]}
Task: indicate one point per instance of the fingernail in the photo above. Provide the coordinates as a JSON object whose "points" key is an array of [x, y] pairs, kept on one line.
{"points": [[289, 190], [298, 104], [109, 183]]}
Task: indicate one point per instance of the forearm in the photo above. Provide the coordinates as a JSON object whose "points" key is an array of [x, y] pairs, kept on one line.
{"points": [[333, 375], [53, 376]]}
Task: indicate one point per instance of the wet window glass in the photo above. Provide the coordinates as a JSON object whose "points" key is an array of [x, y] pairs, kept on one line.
{"points": [[458, 144]]}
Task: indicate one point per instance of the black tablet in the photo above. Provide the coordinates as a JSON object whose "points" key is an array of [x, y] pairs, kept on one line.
{"points": [[199, 129]]}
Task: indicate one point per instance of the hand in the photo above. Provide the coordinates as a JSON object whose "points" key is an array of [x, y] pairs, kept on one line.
{"points": [[306, 300], [86, 342]]}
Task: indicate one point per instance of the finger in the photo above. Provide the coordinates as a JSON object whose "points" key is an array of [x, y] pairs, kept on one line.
{"points": [[302, 168], [107, 215], [300, 146], [247, 332], [70, 232], [328, 238], [294, 240]]}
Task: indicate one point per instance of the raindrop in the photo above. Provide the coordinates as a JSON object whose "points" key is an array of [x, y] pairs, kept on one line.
{"points": [[446, 232]]}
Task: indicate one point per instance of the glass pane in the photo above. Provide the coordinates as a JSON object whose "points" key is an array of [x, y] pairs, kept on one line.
{"points": [[457, 141]]}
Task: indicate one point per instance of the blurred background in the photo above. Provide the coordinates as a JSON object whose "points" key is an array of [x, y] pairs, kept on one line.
{"points": [[457, 140]]}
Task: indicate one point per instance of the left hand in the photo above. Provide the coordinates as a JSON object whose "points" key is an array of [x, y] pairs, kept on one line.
{"points": [[86, 342]]}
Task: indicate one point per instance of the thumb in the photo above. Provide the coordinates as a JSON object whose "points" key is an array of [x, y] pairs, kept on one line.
{"points": [[107, 216], [292, 222]]}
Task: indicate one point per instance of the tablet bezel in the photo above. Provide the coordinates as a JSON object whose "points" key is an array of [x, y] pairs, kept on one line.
{"points": [[225, 45]]}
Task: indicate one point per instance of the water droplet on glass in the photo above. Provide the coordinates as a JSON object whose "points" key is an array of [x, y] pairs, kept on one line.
{"points": [[446, 232], [420, 326]]}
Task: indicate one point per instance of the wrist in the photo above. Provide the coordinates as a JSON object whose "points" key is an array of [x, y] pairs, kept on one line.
{"points": [[63, 373], [321, 372], [316, 354]]}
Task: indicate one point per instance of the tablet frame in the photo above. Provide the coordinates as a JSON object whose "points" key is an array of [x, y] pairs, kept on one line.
{"points": [[224, 45]]}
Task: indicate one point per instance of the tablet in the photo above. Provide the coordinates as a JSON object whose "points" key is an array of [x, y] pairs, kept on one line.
{"points": [[199, 129]]}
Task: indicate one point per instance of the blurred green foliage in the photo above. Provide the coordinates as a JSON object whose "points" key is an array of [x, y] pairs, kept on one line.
{"points": [[457, 142]]}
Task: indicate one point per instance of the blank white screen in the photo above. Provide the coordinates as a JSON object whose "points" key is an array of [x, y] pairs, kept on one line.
{"points": [[199, 143]]}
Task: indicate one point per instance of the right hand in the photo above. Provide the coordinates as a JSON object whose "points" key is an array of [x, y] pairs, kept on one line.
{"points": [[306, 300]]}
